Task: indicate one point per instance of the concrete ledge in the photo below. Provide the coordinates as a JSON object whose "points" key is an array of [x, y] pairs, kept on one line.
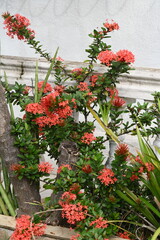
{"points": [[139, 84], [8, 224]]}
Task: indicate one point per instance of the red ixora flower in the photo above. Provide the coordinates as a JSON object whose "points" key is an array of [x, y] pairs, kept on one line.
{"points": [[63, 166], [75, 237], [16, 167], [45, 167], [122, 150], [17, 25], [125, 56], [99, 223], [118, 102], [83, 86], [93, 79], [106, 57], [87, 169], [74, 212], [77, 71], [149, 166], [88, 138], [47, 88], [34, 108], [133, 177], [107, 176], [111, 26], [25, 229], [75, 187], [124, 235], [66, 198], [26, 90]]}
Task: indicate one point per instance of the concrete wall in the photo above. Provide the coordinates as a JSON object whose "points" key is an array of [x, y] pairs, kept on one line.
{"points": [[66, 23]]}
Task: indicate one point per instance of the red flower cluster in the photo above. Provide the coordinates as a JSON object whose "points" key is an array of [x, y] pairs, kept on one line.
{"points": [[118, 102], [63, 166], [106, 57], [26, 90], [75, 187], [16, 167], [113, 92], [99, 223], [149, 166], [133, 177], [75, 237], [45, 167], [34, 108], [59, 88], [17, 25], [87, 169], [77, 71], [146, 167], [125, 56], [74, 212], [88, 138], [111, 26], [83, 86], [122, 150], [124, 235], [25, 229], [47, 88], [107, 176], [66, 198], [52, 107], [93, 79]]}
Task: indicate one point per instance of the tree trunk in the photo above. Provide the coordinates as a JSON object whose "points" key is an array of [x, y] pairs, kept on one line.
{"points": [[26, 191], [68, 155]]}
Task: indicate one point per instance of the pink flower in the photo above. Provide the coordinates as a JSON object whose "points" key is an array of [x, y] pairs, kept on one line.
{"points": [[107, 176], [47, 88], [99, 223], [88, 138], [125, 56], [111, 26], [106, 57], [64, 166], [45, 167]]}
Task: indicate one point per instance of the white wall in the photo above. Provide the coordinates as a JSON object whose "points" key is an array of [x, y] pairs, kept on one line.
{"points": [[66, 23]]}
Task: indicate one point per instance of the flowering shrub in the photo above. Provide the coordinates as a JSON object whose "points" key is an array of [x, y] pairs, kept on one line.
{"points": [[25, 229], [96, 200]]}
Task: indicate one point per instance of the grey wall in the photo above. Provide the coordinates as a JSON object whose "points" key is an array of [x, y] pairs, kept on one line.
{"points": [[66, 23]]}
